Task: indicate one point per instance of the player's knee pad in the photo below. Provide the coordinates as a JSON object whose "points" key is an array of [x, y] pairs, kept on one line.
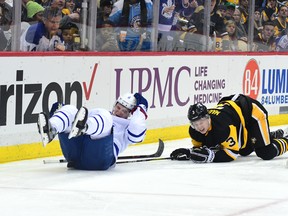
{"points": [[266, 152]]}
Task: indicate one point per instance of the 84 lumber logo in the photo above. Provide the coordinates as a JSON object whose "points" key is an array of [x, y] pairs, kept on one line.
{"points": [[251, 79]]}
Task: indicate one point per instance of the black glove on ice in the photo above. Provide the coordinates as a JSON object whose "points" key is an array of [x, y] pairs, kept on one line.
{"points": [[202, 155], [181, 154]]}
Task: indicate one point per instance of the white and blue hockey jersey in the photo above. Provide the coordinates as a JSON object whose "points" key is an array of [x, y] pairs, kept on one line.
{"points": [[101, 123], [282, 43], [34, 39], [129, 131]]}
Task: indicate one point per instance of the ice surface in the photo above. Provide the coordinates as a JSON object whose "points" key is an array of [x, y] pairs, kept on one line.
{"points": [[246, 187]]}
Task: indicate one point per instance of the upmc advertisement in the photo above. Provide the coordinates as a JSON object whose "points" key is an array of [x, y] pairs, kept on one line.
{"points": [[31, 84]]}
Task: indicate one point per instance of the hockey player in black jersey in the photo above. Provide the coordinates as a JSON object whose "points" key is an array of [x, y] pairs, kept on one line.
{"points": [[238, 125]]}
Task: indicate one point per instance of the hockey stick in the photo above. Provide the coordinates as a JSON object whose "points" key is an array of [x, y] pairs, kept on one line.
{"points": [[142, 160], [118, 162], [48, 161], [158, 153]]}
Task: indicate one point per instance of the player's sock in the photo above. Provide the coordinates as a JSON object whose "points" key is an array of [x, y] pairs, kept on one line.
{"points": [[44, 127], [79, 125], [281, 145]]}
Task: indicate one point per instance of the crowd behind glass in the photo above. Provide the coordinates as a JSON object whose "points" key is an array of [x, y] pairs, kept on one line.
{"points": [[144, 25]]}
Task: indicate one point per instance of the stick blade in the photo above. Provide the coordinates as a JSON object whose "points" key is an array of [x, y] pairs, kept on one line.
{"points": [[160, 148]]}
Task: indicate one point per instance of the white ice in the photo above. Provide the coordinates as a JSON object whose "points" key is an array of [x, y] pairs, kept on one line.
{"points": [[246, 187]]}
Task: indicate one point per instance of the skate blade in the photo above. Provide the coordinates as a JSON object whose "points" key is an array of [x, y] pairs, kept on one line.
{"points": [[42, 123], [73, 133], [79, 117]]}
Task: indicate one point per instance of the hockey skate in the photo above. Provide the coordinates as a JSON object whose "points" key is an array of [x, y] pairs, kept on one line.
{"points": [[45, 129], [79, 125], [277, 134]]}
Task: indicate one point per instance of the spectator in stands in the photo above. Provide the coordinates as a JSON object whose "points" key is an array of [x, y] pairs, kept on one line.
{"points": [[34, 12], [106, 39], [217, 26], [230, 42], [72, 17], [57, 4], [166, 19], [265, 41], [134, 19], [282, 42], [221, 10], [230, 9], [104, 11], [69, 7], [5, 24], [70, 36], [270, 11], [281, 22], [5, 15], [42, 36], [244, 11], [241, 28], [186, 8], [257, 22], [216, 21]]}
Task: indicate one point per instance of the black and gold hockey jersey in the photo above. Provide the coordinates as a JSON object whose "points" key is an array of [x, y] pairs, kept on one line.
{"points": [[232, 121]]}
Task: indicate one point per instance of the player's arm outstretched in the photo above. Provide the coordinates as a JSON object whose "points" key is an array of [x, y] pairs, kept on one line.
{"points": [[203, 154], [224, 152], [137, 126]]}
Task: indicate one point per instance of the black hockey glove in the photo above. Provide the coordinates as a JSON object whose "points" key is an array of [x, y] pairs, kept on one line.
{"points": [[181, 154], [202, 155]]}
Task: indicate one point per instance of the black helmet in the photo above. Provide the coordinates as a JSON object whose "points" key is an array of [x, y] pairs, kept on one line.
{"points": [[197, 111]]}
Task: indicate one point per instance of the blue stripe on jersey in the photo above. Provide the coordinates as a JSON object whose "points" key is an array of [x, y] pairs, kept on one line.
{"points": [[133, 141], [117, 149], [62, 119], [131, 135], [134, 135], [98, 124]]}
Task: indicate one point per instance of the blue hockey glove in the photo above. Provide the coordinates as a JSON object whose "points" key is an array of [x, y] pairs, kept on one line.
{"points": [[54, 108], [181, 154], [140, 100], [202, 155]]}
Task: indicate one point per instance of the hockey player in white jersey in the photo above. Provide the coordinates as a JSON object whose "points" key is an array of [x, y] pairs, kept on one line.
{"points": [[92, 139]]}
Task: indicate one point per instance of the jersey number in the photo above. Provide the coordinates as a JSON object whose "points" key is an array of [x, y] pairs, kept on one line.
{"points": [[231, 141]]}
